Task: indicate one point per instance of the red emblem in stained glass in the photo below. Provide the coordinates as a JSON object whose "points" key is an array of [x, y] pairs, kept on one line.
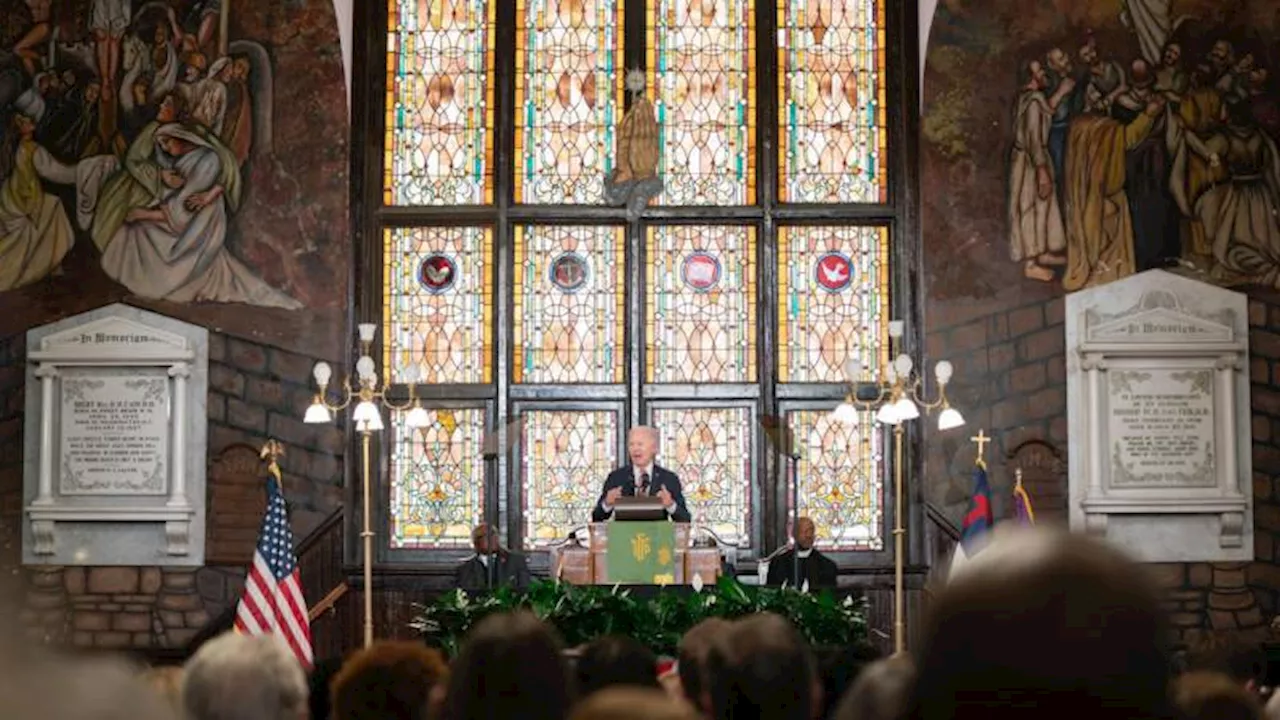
{"points": [[834, 272], [701, 271], [438, 273]]}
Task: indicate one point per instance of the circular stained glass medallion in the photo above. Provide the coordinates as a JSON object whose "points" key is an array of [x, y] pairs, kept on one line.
{"points": [[569, 271], [834, 272], [438, 273], [700, 271]]}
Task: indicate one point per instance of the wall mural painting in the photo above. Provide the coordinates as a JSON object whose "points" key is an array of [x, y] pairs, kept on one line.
{"points": [[152, 142], [1135, 134]]}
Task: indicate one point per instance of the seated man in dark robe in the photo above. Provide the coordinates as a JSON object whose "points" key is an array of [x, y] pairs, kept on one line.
{"points": [[477, 572], [816, 569]]}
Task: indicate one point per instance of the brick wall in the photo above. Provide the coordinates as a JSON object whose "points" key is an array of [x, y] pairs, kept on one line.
{"points": [[1011, 381], [255, 392]]}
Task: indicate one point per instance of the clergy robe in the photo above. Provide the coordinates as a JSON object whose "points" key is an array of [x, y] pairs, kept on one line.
{"points": [[818, 570]]}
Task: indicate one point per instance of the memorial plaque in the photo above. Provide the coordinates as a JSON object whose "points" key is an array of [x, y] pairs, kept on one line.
{"points": [[1162, 428], [115, 434], [1158, 422]]}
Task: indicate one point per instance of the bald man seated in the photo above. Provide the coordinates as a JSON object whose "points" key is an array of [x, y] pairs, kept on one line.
{"points": [[642, 477]]}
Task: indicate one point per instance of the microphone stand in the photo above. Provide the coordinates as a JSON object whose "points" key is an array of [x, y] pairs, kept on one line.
{"points": [[491, 568]]}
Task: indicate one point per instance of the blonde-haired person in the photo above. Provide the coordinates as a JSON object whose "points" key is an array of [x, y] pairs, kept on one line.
{"points": [[166, 680]]}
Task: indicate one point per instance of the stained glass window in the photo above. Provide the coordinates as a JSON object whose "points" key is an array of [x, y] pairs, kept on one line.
{"points": [[570, 304], [710, 449], [701, 76], [831, 101], [565, 456], [569, 76], [841, 486], [833, 301], [439, 124], [701, 304], [437, 479], [438, 304]]}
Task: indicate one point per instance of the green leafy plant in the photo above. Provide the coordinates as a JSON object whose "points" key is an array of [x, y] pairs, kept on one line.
{"points": [[581, 613]]}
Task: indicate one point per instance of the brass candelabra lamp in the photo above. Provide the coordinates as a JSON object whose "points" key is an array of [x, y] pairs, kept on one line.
{"points": [[897, 397], [369, 396]]}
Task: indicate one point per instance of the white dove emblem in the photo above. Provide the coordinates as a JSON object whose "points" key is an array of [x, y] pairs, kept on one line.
{"points": [[834, 272], [437, 275]]}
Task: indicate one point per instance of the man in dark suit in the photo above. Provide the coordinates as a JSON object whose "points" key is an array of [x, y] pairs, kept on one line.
{"points": [[642, 477], [476, 572], [818, 570]]}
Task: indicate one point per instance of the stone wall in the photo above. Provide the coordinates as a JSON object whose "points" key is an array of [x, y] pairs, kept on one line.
{"points": [[1011, 381], [256, 392]]}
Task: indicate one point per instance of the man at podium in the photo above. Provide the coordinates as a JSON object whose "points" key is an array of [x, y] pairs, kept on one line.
{"points": [[642, 477]]}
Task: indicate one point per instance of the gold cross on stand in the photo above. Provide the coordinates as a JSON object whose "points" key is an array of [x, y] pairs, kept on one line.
{"points": [[981, 439]]}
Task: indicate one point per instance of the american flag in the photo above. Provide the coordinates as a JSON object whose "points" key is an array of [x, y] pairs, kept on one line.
{"points": [[272, 602]]}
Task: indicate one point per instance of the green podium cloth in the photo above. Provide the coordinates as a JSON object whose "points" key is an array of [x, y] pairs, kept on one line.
{"points": [[641, 553]]}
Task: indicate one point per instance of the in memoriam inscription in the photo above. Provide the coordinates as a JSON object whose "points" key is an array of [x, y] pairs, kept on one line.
{"points": [[1162, 428], [115, 435]]}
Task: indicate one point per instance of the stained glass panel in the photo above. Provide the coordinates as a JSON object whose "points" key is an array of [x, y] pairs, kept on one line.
{"points": [[710, 449], [437, 479], [833, 301], [831, 98], [570, 304], [701, 75], [841, 470], [569, 75], [565, 456], [439, 125], [438, 304], [701, 304]]}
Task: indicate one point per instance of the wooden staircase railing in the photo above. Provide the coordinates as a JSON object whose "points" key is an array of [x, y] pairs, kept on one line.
{"points": [[324, 583]]}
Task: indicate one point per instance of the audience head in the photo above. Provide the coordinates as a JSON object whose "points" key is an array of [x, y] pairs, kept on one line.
{"points": [[761, 669], [390, 681], [1214, 696], [36, 684], [318, 682], [1041, 617], [244, 677], [691, 662], [616, 660], [1241, 661], [839, 670], [166, 681], [631, 703], [881, 692], [642, 445], [511, 665]]}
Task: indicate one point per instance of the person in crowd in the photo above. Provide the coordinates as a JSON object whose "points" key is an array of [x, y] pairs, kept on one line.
{"points": [[478, 572], [631, 703], [318, 681], [691, 661], [839, 670], [881, 692], [392, 680], [166, 680], [1202, 695], [1044, 619], [817, 571], [762, 669], [512, 665], [615, 660], [1244, 662], [36, 684], [244, 677]]}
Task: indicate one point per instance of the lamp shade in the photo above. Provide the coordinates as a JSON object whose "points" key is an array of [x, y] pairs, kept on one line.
{"points": [[845, 414], [417, 418], [906, 409], [317, 414], [950, 419], [365, 412], [366, 331], [888, 414]]}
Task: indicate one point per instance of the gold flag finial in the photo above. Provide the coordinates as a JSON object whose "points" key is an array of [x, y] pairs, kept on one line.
{"points": [[981, 439], [1017, 478], [271, 450]]}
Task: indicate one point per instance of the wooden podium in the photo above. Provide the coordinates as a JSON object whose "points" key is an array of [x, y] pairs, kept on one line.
{"points": [[588, 565]]}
